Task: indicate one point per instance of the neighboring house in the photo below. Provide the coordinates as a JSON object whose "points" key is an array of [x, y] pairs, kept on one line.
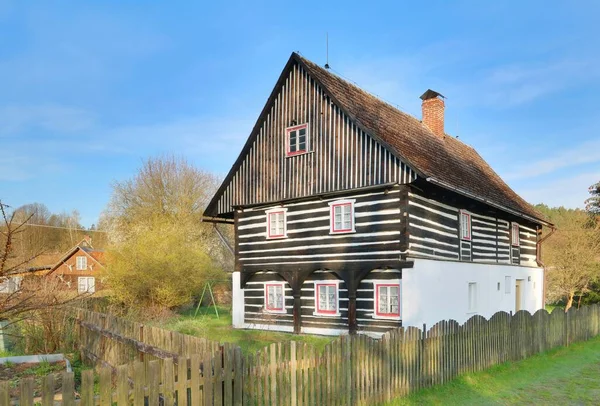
{"points": [[80, 267], [351, 215]]}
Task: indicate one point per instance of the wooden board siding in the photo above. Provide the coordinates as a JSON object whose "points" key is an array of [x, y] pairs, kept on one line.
{"points": [[340, 157], [255, 314], [69, 273], [309, 319], [309, 242], [528, 248], [433, 229], [365, 301]]}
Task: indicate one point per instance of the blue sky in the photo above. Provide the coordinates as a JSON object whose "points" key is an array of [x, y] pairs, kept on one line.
{"points": [[90, 89]]}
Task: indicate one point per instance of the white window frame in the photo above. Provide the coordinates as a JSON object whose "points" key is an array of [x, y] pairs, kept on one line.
{"points": [[87, 279], [342, 203], [327, 313], [515, 239], [387, 316], [472, 298], [266, 306], [83, 260], [288, 134], [280, 211], [467, 215]]}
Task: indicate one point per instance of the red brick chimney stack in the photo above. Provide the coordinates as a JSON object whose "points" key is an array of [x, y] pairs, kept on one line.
{"points": [[433, 112]]}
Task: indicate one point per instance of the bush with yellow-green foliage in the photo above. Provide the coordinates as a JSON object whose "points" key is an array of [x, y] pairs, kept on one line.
{"points": [[160, 267], [160, 253]]}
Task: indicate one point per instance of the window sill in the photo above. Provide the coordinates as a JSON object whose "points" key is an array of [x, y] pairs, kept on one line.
{"points": [[282, 237], [284, 311], [299, 154], [392, 318], [342, 232], [326, 314]]}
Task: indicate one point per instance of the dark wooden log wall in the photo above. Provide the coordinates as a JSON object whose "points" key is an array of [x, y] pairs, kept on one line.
{"points": [[434, 233], [341, 155], [309, 243], [256, 316]]}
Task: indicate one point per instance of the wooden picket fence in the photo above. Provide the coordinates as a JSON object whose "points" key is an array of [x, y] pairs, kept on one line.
{"points": [[352, 370], [111, 340]]}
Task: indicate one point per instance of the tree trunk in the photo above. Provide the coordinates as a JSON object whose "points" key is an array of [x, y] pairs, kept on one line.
{"points": [[569, 301]]}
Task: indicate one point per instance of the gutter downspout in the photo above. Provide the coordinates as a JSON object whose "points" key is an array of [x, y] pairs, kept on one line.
{"points": [[538, 259]]}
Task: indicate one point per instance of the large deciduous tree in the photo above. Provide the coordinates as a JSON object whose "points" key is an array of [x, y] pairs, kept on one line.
{"points": [[161, 253], [571, 255]]}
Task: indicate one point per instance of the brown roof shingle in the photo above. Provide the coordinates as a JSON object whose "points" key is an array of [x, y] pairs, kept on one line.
{"points": [[448, 161]]}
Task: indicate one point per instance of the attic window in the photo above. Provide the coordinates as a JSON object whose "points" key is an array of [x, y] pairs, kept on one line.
{"points": [[297, 139], [81, 264]]}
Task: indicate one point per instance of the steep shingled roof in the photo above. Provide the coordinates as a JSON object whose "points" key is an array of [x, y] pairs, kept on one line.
{"points": [[447, 162]]}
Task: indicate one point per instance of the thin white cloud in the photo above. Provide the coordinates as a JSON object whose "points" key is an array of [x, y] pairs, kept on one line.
{"points": [[15, 119], [569, 192], [516, 84], [584, 153]]}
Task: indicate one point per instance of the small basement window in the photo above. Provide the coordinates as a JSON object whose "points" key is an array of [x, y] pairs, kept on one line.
{"points": [[465, 225], [342, 216], [276, 223], [297, 139], [515, 234], [81, 263], [326, 298], [275, 297], [387, 300]]}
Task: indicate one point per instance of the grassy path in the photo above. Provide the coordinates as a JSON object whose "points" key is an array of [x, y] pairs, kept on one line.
{"points": [[565, 376]]}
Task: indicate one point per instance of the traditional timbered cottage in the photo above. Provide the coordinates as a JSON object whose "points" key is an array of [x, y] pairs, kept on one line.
{"points": [[352, 216]]}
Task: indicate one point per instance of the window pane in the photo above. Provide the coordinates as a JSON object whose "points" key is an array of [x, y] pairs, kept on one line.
{"points": [[322, 298], [302, 132], [383, 299], [331, 302]]}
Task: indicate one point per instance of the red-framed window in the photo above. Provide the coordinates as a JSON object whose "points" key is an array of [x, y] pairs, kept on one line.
{"points": [[276, 223], [465, 225], [514, 235], [387, 299], [342, 216], [326, 294], [275, 297], [296, 139]]}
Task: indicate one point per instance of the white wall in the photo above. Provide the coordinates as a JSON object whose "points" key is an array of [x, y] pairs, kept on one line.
{"points": [[438, 290], [237, 302]]}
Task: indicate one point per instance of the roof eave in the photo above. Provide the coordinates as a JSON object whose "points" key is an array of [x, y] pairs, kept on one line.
{"points": [[488, 202]]}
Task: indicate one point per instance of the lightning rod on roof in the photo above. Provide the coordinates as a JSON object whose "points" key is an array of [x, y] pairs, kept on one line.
{"points": [[326, 50]]}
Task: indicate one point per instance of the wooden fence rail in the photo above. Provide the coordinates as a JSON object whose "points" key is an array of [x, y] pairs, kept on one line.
{"points": [[352, 370]]}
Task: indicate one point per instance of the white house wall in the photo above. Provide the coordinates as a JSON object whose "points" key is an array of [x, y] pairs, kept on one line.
{"points": [[436, 290]]}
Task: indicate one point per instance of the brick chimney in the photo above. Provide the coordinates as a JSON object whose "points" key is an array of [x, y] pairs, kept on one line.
{"points": [[433, 112]]}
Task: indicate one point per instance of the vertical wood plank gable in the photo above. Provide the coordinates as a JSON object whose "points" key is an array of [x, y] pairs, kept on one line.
{"points": [[341, 156]]}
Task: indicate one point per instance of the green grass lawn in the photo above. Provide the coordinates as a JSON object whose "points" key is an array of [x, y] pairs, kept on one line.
{"points": [[565, 376], [207, 325]]}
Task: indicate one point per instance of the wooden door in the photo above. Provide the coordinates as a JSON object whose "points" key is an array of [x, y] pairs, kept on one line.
{"points": [[518, 295]]}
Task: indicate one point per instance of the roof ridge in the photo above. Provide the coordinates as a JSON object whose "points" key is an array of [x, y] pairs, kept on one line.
{"points": [[360, 89]]}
